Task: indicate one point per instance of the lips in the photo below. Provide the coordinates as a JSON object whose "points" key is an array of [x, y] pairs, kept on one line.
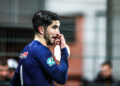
{"points": [[54, 37]]}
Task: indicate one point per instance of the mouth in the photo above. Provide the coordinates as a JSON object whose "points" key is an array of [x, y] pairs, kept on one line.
{"points": [[54, 37]]}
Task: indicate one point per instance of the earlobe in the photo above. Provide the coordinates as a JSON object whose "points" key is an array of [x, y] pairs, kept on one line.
{"points": [[41, 30]]}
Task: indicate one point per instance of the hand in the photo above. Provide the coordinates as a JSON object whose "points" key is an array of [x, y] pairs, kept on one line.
{"points": [[60, 40], [57, 39], [63, 42]]}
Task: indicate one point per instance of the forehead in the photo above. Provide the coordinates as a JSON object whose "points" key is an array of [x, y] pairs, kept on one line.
{"points": [[105, 67], [55, 22], [3, 67]]}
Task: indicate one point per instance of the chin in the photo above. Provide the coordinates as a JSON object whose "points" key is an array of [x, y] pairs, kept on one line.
{"points": [[50, 43]]}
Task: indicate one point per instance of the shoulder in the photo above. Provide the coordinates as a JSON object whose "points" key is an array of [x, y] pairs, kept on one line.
{"points": [[39, 49]]}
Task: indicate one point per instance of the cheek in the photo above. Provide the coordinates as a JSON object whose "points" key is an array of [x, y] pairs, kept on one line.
{"points": [[51, 32], [109, 72], [48, 34]]}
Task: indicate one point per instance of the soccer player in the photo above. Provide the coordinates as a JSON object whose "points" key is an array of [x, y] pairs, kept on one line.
{"points": [[36, 64]]}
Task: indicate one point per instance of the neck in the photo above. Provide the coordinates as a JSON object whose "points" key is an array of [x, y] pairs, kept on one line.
{"points": [[41, 39]]}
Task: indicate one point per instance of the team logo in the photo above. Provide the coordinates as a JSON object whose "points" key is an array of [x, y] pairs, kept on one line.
{"points": [[23, 55], [50, 61]]}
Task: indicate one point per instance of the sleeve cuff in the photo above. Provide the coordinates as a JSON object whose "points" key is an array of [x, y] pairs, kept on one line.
{"points": [[64, 51]]}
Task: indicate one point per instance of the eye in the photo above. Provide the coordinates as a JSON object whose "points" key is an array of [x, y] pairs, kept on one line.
{"points": [[55, 27]]}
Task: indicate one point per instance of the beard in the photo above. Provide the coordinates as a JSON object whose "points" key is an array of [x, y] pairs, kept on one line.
{"points": [[48, 38], [2, 78]]}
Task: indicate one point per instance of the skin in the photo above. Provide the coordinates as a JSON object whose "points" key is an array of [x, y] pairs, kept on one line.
{"points": [[51, 35], [11, 74], [106, 71], [3, 72]]}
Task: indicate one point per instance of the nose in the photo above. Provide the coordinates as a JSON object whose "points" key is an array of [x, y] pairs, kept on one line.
{"points": [[57, 31], [4, 73]]}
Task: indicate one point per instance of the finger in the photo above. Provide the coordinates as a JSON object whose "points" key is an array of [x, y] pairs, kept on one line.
{"points": [[62, 38], [57, 42], [63, 43], [58, 36]]}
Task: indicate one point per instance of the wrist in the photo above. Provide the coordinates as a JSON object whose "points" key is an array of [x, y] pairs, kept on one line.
{"points": [[63, 46]]}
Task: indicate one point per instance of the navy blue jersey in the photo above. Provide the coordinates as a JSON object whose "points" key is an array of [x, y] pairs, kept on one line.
{"points": [[38, 68]]}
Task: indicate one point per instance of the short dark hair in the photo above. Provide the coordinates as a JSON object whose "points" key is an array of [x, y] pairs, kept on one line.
{"points": [[107, 63], [43, 18], [3, 61]]}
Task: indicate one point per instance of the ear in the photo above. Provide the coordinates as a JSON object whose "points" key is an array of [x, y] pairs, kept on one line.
{"points": [[41, 30]]}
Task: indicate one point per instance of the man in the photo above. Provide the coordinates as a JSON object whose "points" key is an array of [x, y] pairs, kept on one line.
{"points": [[12, 65], [4, 81], [36, 64], [105, 76]]}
